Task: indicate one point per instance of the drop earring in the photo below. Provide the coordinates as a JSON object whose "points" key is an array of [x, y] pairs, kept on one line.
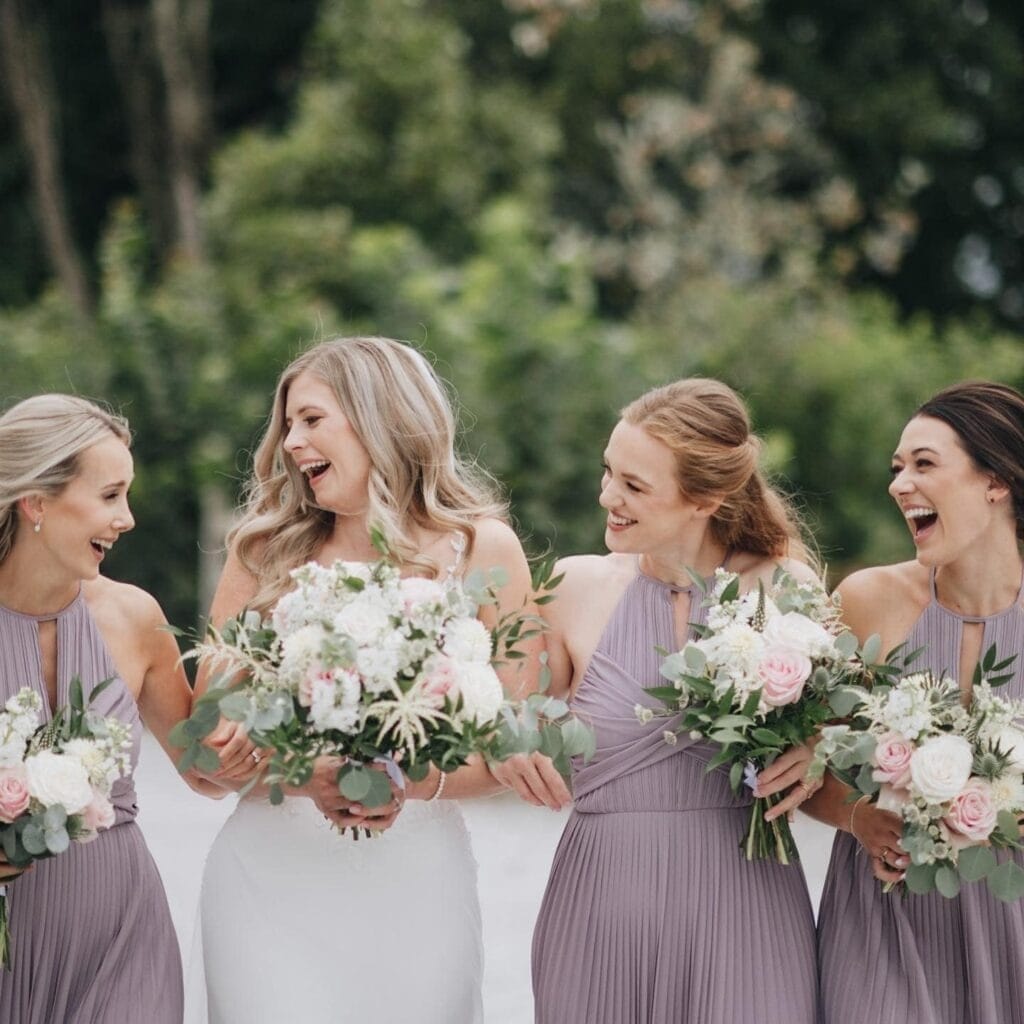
{"points": [[38, 526]]}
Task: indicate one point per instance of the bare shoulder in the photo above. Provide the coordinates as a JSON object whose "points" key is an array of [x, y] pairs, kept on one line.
{"points": [[589, 580], [123, 604], [752, 568], [885, 599], [235, 589], [495, 542]]}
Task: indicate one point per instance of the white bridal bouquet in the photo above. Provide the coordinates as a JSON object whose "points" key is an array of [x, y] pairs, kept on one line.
{"points": [[55, 779], [359, 662], [759, 679], [954, 774]]}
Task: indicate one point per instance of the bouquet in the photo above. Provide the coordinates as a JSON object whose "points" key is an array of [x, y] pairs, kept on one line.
{"points": [[361, 663], [55, 780], [954, 774], [759, 679]]}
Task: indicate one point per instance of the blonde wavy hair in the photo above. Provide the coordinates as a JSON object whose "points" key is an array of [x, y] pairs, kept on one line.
{"points": [[707, 428], [41, 439], [398, 408]]}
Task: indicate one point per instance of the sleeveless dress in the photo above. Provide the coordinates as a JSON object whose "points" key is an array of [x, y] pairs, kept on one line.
{"points": [[651, 914], [895, 958], [301, 923], [91, 935]]}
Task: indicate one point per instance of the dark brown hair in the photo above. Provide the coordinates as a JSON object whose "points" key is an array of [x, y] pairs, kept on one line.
{"points": [[989, 420], [705, 425]]}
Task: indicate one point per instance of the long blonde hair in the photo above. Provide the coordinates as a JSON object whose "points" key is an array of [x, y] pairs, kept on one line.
{"points": [[398, 409], [41, 440], [707, 428]]}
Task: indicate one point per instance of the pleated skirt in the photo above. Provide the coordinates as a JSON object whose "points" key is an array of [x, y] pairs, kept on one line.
{"points": [[91, 938], [656, 918], [896, 957]]}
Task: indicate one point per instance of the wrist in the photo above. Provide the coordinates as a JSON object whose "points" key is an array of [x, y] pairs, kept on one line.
{"points": [[851, 825], [427, 786]]}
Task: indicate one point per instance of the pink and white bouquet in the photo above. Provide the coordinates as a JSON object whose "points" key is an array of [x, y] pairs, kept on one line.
{"points": [[954, 774], [359, 662], [55, 780], [759, 679]]}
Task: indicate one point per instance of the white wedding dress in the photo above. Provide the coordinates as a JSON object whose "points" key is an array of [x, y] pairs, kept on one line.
{"points": [[301, 924]]}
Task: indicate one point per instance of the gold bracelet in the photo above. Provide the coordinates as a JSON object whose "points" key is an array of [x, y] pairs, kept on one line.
{"points": [[853, 814], [436, 795]]}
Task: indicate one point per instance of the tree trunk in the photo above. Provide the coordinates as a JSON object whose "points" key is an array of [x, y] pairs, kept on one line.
{"points": [[34, 99], [181, 29], [129, 33]]}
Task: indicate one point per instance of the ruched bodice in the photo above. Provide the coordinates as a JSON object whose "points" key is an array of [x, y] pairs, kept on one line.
{"points": [[890, 958], [634, 768], [651, 915]]}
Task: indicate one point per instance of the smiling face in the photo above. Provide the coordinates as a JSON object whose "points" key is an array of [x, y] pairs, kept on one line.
{"points": [[83, 522], [949, 504], [647, 512], [321, 442]]}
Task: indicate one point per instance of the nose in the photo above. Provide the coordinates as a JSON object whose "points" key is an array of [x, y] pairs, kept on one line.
{"points": [[608, 496], [900, 484], [293, 440], [124, 521]]}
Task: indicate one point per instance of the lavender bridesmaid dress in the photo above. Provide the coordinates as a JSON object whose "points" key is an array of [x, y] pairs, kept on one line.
{"points": [[894, 958], [91, 935], [651, 915]]}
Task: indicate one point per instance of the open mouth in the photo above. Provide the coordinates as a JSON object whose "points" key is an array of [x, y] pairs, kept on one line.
{"points": [[921, 520], [314, 471], [101, 547], [619, 522]]}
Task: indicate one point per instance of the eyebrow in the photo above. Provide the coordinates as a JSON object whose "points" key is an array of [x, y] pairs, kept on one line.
{"points": [[629, 476], [916, 451], [304, 410], [118, 483]]}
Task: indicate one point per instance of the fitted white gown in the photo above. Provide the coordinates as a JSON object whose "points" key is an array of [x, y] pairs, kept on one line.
{"points": [[299, 923]]}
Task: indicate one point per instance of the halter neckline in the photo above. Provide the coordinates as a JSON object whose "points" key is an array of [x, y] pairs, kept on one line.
{"points": [[47, 616], [1016, 603], [677, 587]]}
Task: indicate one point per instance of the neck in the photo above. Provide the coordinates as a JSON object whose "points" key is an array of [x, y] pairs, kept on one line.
{"points": [[350, 539], [983, 585], [674, 567], [29, 586]]}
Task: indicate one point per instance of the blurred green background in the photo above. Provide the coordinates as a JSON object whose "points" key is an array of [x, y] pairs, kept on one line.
{"points": [[563, 201]]}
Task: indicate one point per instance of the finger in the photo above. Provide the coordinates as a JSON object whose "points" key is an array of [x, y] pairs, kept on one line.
{"points": [[789, 777], [883, 872], [235, 751], [539, 787], [783, 763], [787, 804], [556, 785]]}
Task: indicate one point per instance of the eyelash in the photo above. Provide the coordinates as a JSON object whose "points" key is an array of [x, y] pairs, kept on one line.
{"points": [[606, 471], [894, 471]]}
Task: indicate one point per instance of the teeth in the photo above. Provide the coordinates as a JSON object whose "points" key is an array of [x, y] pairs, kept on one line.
{"points": [[311, 468], [619, 520], [918, 513], [105, 544]]}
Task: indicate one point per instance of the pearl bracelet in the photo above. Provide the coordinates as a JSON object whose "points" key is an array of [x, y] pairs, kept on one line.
{"points": [[436, 795]]}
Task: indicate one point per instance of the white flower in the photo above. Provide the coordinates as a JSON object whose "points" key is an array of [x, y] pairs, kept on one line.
{"points": [[735, 652], [102, 772], [379, 666], [417, 591], [940, 767], [482, 695], [1011, 742], [1008, 793], [467, 640], [12, 752], [58, 779], [364, 620], [796, 632], [335, 701], [290, 613]]}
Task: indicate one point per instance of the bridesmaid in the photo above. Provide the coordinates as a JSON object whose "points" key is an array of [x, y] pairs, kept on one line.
{"points": [[91, 934], [651, 915], [958, 479]]}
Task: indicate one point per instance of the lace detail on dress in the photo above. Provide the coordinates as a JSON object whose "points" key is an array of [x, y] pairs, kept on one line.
{"points": [[458, 543]]}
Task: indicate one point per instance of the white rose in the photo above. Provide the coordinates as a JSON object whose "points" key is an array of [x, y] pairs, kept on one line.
{"points": [[290, 612], [416, 590], [940, 767], [1011, 743], [799, 633], [92, 757], [12, 752], [58, 779], [482, 695], [468, 640], [363, 620]]}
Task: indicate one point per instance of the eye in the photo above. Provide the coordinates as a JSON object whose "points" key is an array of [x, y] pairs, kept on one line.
{"points": [[923, 463], [633, 487], [312, 421], [894, 470]]}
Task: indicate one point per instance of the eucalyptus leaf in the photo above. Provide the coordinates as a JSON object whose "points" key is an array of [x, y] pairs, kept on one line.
{"points": [[34, 840], [1006, 882], [206, 760], [354, 782], [976, 862], [947, 882], [872, 648], [57, 840], [920, 878]]}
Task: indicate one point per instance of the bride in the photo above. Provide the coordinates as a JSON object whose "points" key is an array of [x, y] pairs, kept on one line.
{"points": [[299, 921]]}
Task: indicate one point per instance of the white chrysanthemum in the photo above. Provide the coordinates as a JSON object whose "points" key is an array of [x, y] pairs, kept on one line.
{"points": [[467, 640], [1011, 743], [734, 652], [335, 702], [299, 650], [379, 666], [58, 779], [364, 620], [292, 612], [482, 695], [1008, 793]]}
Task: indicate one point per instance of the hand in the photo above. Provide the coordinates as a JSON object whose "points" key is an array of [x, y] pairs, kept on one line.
{"points": [[789, 769], [880, 833], [8, 872], [238, 756], [323, 790], [535, 778]]}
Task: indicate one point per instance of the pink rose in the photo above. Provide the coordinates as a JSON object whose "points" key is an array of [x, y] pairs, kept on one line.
{"points": [[892, 759], [98, 814], [782, 674], [440, 680], [973, 813], [317, 673], [14, 795]]}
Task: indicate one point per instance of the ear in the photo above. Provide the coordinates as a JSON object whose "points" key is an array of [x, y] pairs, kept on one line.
{"points": [[32, 507], [996, 491], [707, 506]]}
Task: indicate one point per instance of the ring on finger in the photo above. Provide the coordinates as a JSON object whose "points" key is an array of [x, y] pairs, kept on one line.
{"points": [[255, 755]]}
